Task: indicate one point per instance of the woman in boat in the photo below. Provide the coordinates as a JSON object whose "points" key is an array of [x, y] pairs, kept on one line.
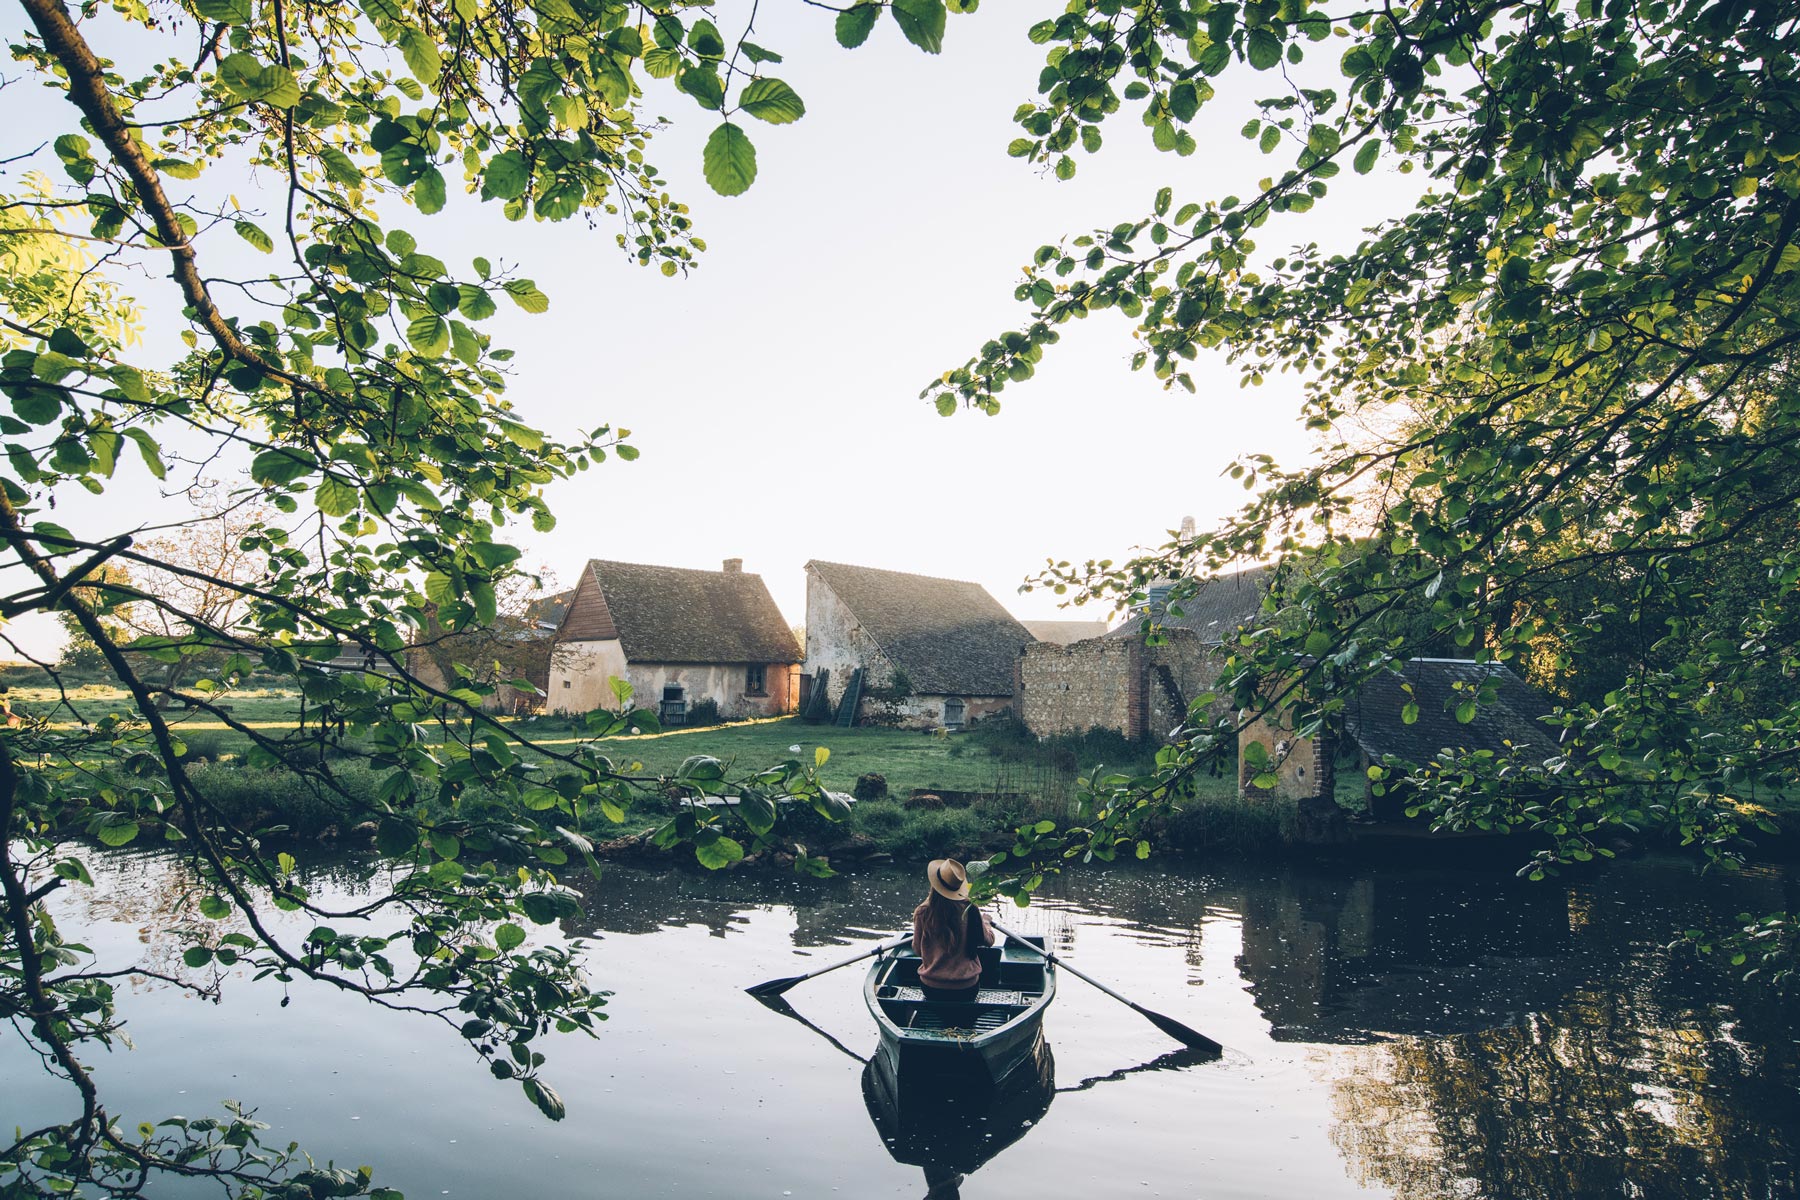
{"points": [[948, 934]]}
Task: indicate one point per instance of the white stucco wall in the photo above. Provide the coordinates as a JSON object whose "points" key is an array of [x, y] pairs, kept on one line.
{"points": [[578, 675], [835, 641], [722, 683]]}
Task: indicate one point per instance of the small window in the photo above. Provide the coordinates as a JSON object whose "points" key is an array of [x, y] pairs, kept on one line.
{"points": [[754, 680], [565, 683]]}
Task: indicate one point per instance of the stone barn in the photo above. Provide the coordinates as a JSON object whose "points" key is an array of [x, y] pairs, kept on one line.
{"points": [[911, 650], [1118, 682], [680, 637], [1374, 727]]}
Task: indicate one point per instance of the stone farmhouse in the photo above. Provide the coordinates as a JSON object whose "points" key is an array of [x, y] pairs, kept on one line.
{"points": [[680, 637], [1118, 682], [1374, 727], [909, 650]]}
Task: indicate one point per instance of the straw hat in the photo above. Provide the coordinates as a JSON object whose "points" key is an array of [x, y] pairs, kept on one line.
{"points": [[948, 879]]}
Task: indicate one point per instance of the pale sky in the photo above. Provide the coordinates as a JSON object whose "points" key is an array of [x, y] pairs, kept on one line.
{"points": [[773, 392]]}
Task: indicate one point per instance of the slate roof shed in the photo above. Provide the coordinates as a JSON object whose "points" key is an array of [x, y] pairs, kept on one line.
{"points": [[1374, 722], [1215, 611], [679, 615], [948, 635]]}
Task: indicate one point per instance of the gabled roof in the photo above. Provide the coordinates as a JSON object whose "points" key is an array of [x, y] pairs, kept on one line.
{"points": [[1065, 633], [1215, 611], [547, 612], [1375, 724], [678, 615], [949, 636]]}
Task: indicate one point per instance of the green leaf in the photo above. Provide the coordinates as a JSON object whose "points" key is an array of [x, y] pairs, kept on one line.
{"points": [[117, 831], [197, 956], [771, 100], [248, 77], [229, 12], [715, 850], [922, 21], [729, 160], [214, 908], [756, 810], [275, 467], [428, 193], [506, 177], [1465, 712], [1262, 48], [149, 451], [421, 53], [340, 167], [526, 295], [254, 235], [474, 302], [542, 1095], [855, 24], [509, 936], [336, 498], [1366, 156], [429, 335]]}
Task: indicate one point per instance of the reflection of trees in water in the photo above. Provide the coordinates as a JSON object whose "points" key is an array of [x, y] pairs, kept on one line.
{"points": [[829, 912], [1622, 1090], [159, 892]]}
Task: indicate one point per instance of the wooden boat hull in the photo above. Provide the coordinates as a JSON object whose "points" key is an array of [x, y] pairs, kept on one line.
{"points": [[992, 1035]]}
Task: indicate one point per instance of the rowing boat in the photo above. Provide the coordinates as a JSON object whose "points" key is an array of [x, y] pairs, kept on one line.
{"points": [[1001, 1028]]}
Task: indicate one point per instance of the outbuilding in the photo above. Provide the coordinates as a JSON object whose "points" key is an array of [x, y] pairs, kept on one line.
{"points": [[679, 637]]}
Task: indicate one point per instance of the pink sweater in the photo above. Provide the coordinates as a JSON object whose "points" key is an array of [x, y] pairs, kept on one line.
{"points": [[942, 961]]}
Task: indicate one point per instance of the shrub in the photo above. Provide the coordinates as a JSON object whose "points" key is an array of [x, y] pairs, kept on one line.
{"points": [[704, 712], [209, 746]]}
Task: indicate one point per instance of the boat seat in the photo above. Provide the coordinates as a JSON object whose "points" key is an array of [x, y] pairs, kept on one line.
{"points": [[984, 996]]}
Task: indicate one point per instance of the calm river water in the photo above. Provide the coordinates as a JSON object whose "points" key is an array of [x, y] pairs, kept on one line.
{"points": [[1411, 1034]]}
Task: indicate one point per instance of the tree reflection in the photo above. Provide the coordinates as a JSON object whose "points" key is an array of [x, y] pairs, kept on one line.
{"points": [[1615, 1092]]}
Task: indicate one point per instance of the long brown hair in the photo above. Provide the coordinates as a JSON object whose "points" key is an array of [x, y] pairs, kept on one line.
{"points": [[942, 915]]}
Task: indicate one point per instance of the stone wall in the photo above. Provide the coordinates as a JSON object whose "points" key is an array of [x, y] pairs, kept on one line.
{"points": [[1303, 766], [1113, 683]]}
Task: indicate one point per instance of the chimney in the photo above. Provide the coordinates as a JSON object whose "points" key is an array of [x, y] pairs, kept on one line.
{"points": [[734, 566], [1187, 529]]}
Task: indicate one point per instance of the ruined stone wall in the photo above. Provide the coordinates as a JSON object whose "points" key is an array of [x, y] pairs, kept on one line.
{"points": [[1113, 683], [1302, 765], [1096, 684]]}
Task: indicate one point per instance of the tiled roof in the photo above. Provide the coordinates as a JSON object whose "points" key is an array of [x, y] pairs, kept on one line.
{"points": [[949, 636], [1374, 720], [1215, 611], [678, 615]]}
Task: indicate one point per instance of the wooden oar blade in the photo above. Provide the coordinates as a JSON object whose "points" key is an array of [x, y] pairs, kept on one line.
{"points": [[774, 987], [1192, 1038]]}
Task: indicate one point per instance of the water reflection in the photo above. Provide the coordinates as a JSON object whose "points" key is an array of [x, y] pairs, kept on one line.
{"points": [[1420, 1034], [952, 1123]]}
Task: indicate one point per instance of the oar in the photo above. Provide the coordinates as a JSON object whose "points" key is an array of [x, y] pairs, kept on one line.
{"points": [[775, 987], [1170, 1026]]}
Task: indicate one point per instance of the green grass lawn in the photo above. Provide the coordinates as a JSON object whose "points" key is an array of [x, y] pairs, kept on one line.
{"points": [[909, 760]]}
